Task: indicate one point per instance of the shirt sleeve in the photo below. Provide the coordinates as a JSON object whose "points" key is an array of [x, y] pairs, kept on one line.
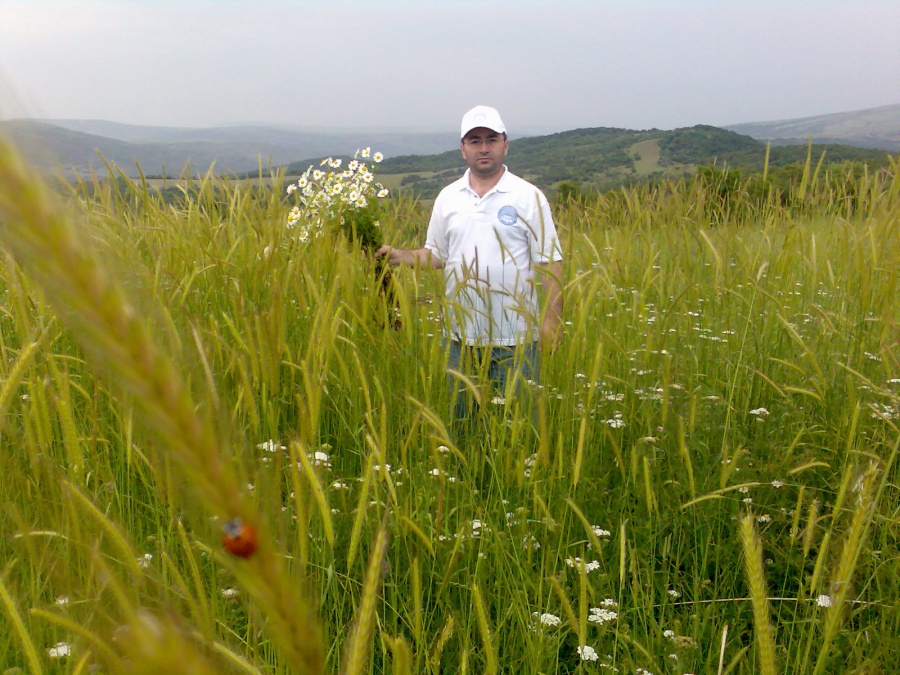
{"points": [[436, 237], [545, 246]]}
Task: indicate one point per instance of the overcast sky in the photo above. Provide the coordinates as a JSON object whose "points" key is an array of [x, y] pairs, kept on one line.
{"points": [[547, 65]]}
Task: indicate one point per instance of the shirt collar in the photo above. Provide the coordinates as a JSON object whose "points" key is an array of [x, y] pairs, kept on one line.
{"points": [[501, 185]]}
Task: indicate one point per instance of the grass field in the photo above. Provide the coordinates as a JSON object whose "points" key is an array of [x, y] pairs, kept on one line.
{"points": [[711, 485]]}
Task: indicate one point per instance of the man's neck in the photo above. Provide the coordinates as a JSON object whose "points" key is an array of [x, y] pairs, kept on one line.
{"points": [[481, 185]]}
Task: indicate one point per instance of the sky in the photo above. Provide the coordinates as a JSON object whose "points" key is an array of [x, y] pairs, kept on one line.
{"points": [[547, 65]]}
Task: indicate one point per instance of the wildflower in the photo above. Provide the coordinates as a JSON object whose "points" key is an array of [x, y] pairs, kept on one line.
{"points": [[383, 192], [365, 152], [587, 653], [339, 485], [669, 634], [823, 600], [529, 541], [763, 518], [321, 459], [229, 593], [144, 561], [498, 400], [377, 157], [602, 615], [760, 412], [600, 532], [743, 489], [616, 422], [62, 600], [579, 564], [59, 651], [672, 592], [777, 483], [270, 446], [476, 528], [549, 619]]}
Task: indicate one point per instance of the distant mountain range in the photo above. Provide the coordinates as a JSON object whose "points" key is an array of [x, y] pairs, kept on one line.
{"points": [[877, 128], [75, 146]]}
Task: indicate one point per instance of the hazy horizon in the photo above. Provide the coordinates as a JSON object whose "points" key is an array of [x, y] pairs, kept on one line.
{"points": [[417, 67]]}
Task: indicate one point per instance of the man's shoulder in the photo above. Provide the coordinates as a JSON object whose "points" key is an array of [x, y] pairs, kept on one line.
{"points": [[513, 183], [453, 189]]}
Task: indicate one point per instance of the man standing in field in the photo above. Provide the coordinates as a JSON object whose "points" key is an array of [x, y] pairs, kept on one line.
{"points": [[492, 233]]}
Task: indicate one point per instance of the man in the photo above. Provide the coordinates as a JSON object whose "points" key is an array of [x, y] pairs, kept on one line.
{"points": [[492, 233]]}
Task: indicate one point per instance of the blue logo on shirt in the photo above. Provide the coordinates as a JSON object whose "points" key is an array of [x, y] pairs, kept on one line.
{"points": [[508, 215]]}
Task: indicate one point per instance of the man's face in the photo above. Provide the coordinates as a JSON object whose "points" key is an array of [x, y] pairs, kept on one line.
{"points": [[484, 151]]}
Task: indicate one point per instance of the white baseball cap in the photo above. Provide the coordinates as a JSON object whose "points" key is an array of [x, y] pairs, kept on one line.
{"points": [[482, 116]]}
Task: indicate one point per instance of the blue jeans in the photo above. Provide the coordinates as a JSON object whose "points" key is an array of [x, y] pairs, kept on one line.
{"points": [[505, 368]]}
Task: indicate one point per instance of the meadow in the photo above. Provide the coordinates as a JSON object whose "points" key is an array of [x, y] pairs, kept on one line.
{"points": [[709, 483]]}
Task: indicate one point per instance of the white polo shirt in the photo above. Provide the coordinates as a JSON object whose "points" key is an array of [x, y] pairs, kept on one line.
{"points": [[489, 246]]}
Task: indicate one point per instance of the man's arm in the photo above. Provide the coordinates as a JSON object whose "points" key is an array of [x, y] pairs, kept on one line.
{"points": [[551, 326], [410, 256]]}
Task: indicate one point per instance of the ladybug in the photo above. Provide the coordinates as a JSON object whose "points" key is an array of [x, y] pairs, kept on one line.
{"points": [[239, 538]]}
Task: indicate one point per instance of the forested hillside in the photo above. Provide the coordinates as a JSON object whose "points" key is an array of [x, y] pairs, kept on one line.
{"points": [[605, 158]]}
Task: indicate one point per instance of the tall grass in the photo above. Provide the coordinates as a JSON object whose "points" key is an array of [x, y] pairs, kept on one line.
{"points": [[714, 464]]}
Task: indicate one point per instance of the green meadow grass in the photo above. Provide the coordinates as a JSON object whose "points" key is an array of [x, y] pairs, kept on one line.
{"points": [[711, 486]]}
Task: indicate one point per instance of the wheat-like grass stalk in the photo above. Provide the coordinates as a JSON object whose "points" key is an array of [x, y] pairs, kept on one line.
{"points": [[48, 246], [19, 630], [484, 628], [850, 552], [756, 580], [356, 651]]}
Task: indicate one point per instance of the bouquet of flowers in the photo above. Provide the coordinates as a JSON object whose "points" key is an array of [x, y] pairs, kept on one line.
{"points": [[347, 199]]}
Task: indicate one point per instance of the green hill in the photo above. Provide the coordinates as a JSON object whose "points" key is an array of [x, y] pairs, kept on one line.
{"points": [[605, 158]]}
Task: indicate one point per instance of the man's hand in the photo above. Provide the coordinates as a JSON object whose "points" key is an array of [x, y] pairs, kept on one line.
{"points": [[409, 256]]}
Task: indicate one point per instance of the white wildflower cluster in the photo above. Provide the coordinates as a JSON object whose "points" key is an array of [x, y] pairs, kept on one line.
{"points": [[616, 421], [587, 653], [271, 446], [529, 465], [579, 564], [324, 193], [547, 619], [320, 458], [602, 615], [60, 650], [883, 411]]}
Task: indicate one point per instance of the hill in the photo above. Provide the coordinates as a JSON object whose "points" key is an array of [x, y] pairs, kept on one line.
{"points": [[605, 158], [74, 146], [595, 158], [872, 128]]}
